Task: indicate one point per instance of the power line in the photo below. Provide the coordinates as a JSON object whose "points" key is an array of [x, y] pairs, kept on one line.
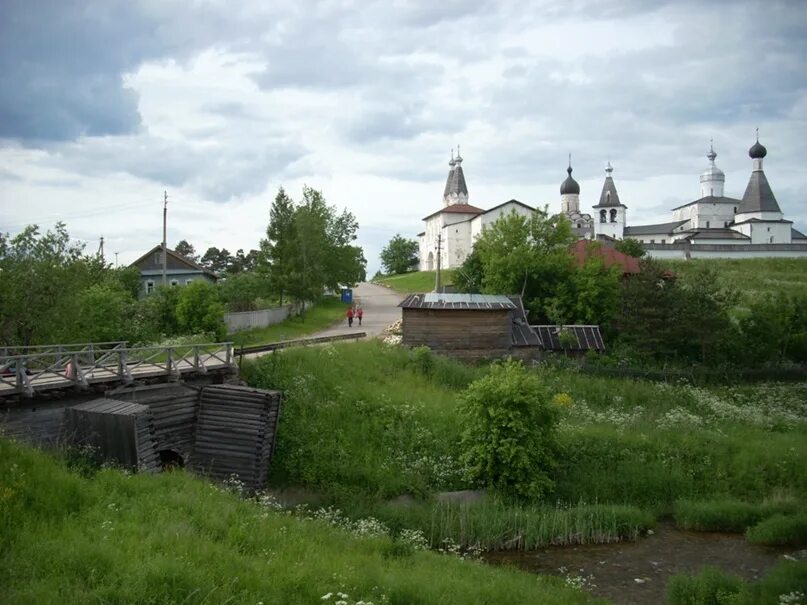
{"points": [[86, 214]]}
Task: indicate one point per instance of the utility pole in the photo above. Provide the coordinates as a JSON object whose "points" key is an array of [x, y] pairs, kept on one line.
{"points": [[116, 260], [437, 275], [165, 246], [101, 249]]}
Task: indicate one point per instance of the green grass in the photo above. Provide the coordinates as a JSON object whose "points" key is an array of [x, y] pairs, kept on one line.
{"points": [[780, 530], [172, 538], [417, 281], [366, 422], [319, 317], [752, 277], [728, 515], [711, 586]]}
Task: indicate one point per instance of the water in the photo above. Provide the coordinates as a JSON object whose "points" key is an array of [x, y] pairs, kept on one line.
{"points": [[637, 572]]}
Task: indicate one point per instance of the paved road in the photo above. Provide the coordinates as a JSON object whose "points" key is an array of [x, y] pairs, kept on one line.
{"points": [[380, 310]]}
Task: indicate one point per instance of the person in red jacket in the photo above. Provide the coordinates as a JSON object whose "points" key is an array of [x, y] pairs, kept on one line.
{"points": [[359, 314], [350, 317]]}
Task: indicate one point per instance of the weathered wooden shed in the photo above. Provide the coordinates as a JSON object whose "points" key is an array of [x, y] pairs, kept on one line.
{"points": [[466, 326]]}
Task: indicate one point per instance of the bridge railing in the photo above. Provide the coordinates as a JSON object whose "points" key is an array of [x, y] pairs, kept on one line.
{"points": [[58, 366], [76, 347]]}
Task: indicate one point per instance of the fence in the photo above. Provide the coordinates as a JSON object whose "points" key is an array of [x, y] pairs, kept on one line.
{"points": [[247, 320]]}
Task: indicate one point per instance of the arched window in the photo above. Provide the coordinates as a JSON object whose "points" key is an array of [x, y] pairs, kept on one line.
{"points": [[603, 216], [613, 215]]}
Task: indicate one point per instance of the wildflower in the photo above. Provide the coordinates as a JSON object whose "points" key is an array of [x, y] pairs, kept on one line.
{"points": [[326, 597], [562, 400]]}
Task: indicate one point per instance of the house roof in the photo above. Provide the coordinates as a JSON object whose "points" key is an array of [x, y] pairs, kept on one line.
{"points": [[760, 220], [457, 209], [522, 334], [443, 301], [657, 229], [796, 234], [712, 199], [583, 249], [510, 202], [584, 338], [421, 234], [718, 233], [183, 260], [758, 195]]}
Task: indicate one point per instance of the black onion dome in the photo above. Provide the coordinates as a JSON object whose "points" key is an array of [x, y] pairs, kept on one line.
{"points": [[757, 151], [569, 185]]}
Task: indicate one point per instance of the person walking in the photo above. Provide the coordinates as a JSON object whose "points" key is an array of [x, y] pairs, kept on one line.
{"points": [[350, 317], [359, 314]]}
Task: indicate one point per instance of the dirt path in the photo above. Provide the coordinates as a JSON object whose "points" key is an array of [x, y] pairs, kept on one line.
{"points": [[380, 310]]}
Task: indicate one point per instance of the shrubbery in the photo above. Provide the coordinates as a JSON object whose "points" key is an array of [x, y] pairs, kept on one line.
{"points": [[509, 439]]}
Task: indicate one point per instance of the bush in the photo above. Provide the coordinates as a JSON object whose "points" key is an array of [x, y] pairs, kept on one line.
{"points": [[509, 439], [199, 310], [780, 530]]}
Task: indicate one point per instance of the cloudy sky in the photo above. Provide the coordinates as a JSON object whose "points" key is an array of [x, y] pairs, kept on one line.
{"points": [[106, 104]]}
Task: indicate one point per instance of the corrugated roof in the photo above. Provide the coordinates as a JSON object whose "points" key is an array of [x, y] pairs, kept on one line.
{"points": [[444, 301], [522, 334], [583, 338]]}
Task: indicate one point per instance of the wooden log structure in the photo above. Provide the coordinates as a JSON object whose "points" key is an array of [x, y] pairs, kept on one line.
{"points": [[235, 433]]}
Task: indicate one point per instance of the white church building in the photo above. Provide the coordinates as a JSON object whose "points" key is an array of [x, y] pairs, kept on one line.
{"points": [[712, 226]]}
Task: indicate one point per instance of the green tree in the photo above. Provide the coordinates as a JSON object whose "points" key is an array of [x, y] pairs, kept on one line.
{"points": [[278, 248], [509, 436], [470, 275], [104, 313], [775, 329], [186, 250], [216, 260], [631, 247], [590, 296], [245, 291], [400, 255], [529, 256], [41, 276], [199, 310]]}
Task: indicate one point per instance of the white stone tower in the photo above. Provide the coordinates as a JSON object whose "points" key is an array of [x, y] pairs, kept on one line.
{"points": [[609, 214], [713, 179]]}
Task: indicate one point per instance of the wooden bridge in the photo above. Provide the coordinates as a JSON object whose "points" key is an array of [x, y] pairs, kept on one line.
{"points": [[28, 371]]}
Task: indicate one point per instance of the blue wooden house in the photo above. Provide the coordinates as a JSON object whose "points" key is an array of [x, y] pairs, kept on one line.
{"points": [[180, 270]]}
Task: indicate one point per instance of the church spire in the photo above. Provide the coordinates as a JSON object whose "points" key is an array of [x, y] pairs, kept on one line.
{"points": [[712, 179], [456, 191]]}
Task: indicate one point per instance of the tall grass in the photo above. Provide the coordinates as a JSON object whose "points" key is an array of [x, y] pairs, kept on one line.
{"points": [[728, 515], [171, 538], [363, 423], [785, 584], [780, 530]]}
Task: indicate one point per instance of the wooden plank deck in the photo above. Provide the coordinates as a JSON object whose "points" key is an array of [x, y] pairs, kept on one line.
{"points": [[108, 372]]}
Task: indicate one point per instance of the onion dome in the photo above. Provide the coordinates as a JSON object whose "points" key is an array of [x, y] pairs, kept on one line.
{"points": [[757, 151], [569, 185]]}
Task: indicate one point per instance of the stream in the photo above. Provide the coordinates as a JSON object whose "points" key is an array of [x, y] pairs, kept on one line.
{"points": [[637, 572]]}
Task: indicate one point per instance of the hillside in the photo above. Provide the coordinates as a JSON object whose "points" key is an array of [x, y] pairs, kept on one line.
{"points": [[752, 277], [417, 281], [116, 538]]}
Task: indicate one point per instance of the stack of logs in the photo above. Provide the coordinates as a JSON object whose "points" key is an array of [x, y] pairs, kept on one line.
{"points": [[235, 430]]}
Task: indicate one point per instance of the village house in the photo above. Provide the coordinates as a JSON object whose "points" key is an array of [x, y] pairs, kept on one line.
{"points": [[180, 270]]}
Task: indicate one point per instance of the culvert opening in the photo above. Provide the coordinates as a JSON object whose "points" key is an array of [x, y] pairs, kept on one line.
{"points": [[170, 460]]}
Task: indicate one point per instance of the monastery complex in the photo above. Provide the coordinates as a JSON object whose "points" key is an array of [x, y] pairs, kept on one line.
{"points": [[712, 226]]}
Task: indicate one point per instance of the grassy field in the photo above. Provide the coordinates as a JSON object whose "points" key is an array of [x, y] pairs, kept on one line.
{"points": [[417, 281], [109, 537], [624, 443], [752, 277], [319, 317]]}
